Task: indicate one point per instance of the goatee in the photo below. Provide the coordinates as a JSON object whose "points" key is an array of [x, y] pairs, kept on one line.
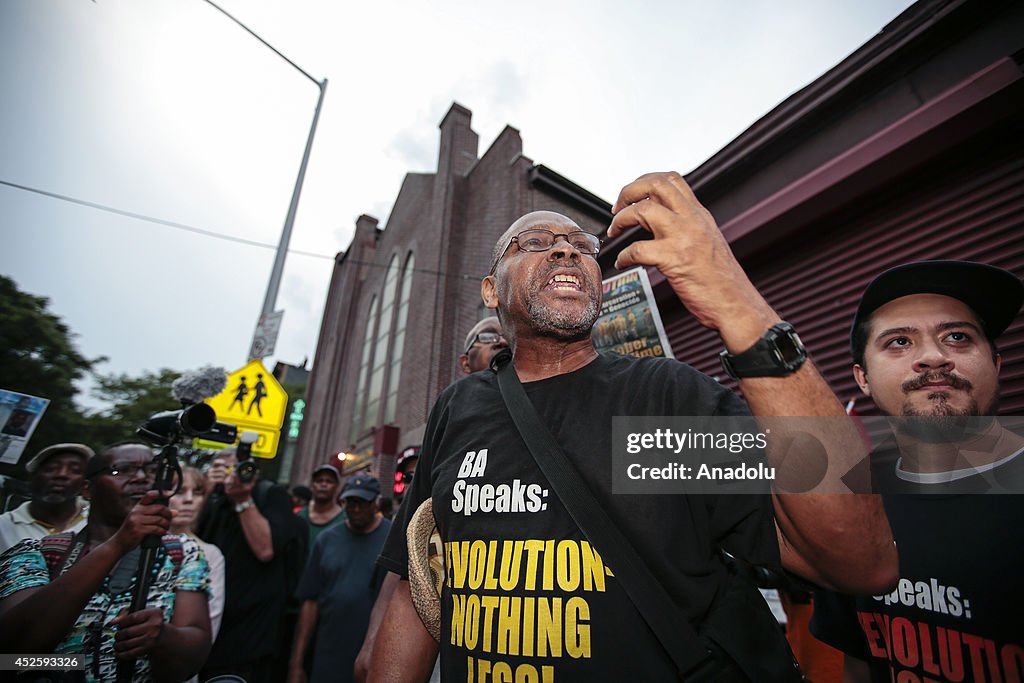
{"points": [[562, 324]]}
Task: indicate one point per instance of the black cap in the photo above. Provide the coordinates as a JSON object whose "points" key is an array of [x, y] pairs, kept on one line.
{"points": [[995, 295], [361, 486]]}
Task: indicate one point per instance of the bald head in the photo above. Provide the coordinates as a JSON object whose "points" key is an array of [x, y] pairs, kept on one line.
{"points": [[534, 219], [552, 287]]}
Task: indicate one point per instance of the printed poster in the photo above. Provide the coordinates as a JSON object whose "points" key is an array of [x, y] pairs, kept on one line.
{"points": [[19, 415], [630, 322]]}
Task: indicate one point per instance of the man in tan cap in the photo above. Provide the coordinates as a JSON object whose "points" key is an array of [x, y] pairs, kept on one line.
{"points": [[58, 474]]}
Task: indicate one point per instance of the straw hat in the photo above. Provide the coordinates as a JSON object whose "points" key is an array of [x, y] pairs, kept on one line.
{"points": [[426, 567]]}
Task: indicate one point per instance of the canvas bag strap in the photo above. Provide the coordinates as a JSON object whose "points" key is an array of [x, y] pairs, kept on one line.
{"points": [[693, 661]]}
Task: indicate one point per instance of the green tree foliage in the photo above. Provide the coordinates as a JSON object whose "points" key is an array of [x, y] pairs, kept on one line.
{"points": [[131, 401], [37, 357]]}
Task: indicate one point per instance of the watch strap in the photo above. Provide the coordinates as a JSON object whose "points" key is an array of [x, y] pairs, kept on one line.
{"points": [[778, 353]]}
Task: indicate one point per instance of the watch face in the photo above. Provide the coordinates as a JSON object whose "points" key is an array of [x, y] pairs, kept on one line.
{"points": [[779, 352], [790, 348]]}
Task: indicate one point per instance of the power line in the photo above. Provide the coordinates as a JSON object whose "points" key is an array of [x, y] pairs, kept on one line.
{"points": [[210, 233], [158, 221]]}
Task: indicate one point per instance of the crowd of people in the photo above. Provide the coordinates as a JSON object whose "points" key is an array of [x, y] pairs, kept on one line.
{"points": [[288, 579], [245, 578]]}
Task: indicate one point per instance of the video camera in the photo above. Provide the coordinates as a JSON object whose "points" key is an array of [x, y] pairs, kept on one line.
{"points": [[195, 421], [169, 428]]}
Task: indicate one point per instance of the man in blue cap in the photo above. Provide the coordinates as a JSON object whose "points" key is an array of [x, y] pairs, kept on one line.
{"points": [[340, 585], [924, 348]]}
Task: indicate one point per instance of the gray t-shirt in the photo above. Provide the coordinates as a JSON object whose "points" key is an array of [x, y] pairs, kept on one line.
{"points": [[343, 577]]}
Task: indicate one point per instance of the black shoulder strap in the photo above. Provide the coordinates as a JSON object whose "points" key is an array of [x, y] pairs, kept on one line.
{"points": [[693, 661]]}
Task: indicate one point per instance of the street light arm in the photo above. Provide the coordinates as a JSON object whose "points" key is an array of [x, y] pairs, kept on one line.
{"points": [[276, 51], [282, 250]]}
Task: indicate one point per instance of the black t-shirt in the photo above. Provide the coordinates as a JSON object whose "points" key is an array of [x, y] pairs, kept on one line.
{"points": [[525, 593], [956, 613], [255, 592]]}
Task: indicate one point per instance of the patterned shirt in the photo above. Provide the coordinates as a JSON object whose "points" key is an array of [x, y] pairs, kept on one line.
{"points": [[180, 565]]}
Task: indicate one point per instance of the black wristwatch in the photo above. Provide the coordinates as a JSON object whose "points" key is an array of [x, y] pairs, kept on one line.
{"points": [[779, 352]]}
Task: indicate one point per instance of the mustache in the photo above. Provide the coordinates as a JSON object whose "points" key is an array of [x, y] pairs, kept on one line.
{"points": [[949, 378]]}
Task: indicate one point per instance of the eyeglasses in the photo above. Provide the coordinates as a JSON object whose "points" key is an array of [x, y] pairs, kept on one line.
{"points": [[127, 470], [538, 239], [490, 338]]}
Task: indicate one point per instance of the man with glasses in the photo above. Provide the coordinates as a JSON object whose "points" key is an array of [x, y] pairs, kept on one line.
{"points": [[339, 587], [483, 343], [526, 597], [83, 582]]}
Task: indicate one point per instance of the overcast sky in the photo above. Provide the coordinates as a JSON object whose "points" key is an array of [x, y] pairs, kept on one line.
{"points": [[168, 109]]}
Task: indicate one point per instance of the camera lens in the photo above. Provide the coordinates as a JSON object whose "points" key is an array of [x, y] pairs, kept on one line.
{"points": [[246, 471]]}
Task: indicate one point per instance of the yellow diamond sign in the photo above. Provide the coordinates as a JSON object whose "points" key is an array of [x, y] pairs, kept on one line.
{"points": [[255, 402]]}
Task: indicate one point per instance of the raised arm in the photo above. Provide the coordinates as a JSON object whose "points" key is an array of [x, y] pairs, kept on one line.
{"points": [[255, 525], [831, 537]]}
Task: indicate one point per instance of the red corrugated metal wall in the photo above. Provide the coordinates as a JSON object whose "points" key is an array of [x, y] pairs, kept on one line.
{"points": [[970, 206]]}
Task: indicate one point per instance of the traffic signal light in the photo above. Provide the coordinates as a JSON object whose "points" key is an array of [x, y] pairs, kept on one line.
{"points": [[402, 480], [404, 468]]}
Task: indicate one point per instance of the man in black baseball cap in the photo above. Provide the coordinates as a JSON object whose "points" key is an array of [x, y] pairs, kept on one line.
{"points": [[924, 347], [993, 294], [360, 500], [917, 329]]}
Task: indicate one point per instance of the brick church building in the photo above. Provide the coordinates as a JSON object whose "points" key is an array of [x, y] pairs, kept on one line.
{"points": [[910, 148]]}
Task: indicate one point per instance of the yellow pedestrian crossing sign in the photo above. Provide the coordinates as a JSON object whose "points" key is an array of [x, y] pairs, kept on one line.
{"points": [[255, 402]]}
